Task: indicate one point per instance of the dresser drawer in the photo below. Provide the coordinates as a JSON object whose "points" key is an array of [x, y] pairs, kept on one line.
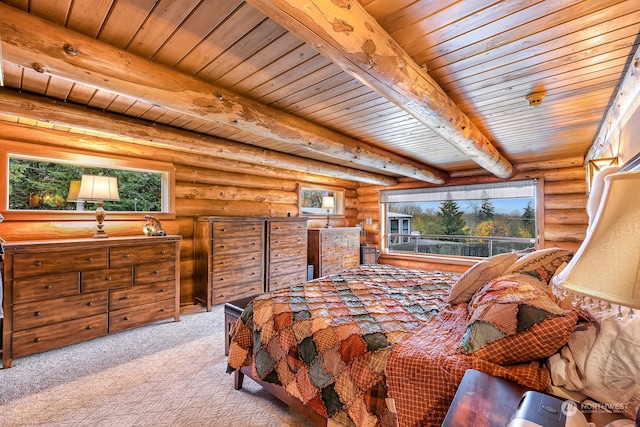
{"points": [[102, 280], [288, 227], [286, 280], [147, 273], [140, 254], [279, 242], [120, 320], [37, 263], [237, 245], [226, 261], [45, 338], [351, 236], [234, 291], [222, 229], [237, 275], [298, 264], [45, 287], [40, 313], [331, 237], [287, 254], [140, 294]]}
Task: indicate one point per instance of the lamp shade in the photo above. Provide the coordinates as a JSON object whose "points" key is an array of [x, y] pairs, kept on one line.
{"points": [[607, 264], [328, 203], [98, 188]]}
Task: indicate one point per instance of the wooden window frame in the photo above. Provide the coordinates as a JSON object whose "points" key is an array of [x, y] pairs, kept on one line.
{"points": [[89, 159]]}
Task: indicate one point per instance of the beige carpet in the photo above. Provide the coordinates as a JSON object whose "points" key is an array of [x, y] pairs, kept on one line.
{"points": [[166, 374]]}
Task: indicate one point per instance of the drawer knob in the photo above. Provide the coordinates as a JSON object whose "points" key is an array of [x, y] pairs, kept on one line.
{"points": [[126, 255], [89, 304], [222, 246], [162, 310], [125, 297], [163, 253], [223, 229], [156, 272], [48, 287], [37, 314], [90, 259], [36, 340], [163, 290], [108, 278], [38, 264], [126, 318], [90, 327]]}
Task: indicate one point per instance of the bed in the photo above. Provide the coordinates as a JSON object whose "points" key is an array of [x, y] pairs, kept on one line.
{"points": [[385, 345]]}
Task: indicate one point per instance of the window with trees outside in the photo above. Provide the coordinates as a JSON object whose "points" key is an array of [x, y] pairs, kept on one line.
{"points": [[40, 186], [478, 220]]}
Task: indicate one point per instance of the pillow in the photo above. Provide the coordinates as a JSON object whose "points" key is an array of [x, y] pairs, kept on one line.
{"points": [[478, 275], [602, 361], [541, 264], [513, 319]]}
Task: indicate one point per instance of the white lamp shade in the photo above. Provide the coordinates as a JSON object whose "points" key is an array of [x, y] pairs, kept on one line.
{"points": [[98, 188], [607, 264], [328, 203]]}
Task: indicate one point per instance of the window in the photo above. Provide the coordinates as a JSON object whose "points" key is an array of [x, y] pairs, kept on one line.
{"points": [[311, 200], [38, 185], [477, 220]]}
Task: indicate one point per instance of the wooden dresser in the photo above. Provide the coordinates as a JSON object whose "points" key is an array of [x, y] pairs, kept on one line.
{"points": [[332, 250], [60, 292], [229, 258], [238, 257], [286, 252]]}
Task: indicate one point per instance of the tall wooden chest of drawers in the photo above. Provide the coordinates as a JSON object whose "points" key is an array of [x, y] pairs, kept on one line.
{"points": [[229, 258], [286, 252], [332, 250], [61, 292], [238, 257]]}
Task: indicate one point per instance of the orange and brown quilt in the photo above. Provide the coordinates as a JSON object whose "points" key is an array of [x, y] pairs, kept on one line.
{"points": [[327, 341]]}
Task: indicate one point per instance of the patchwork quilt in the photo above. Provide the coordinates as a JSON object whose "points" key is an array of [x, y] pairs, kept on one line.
{"points": [[328, 343]]}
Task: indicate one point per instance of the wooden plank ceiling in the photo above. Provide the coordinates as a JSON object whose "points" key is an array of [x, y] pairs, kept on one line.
{"points": [[351, 110]]}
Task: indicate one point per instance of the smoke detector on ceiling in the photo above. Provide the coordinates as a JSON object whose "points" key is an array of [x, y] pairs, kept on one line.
{"points": [[535, 98]]}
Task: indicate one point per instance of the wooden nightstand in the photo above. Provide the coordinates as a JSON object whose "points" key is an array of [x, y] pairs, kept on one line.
{"points": [[368, 254], [483, 400]]}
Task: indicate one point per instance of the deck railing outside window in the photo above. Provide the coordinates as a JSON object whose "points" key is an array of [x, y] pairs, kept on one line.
{"points": [[472, 246]]}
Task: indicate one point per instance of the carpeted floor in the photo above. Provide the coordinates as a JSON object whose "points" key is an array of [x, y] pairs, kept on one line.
{"points": [[166, 374]]}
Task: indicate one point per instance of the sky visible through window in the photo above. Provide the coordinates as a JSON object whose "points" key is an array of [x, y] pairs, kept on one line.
{"points": [[502, 206]]}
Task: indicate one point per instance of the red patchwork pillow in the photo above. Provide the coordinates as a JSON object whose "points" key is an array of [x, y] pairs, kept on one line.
{"points": [[513, 319]]}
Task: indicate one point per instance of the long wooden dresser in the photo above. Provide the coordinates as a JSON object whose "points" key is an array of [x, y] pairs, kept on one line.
{"points": [[332, 250], [60, 292], [237, 257]]}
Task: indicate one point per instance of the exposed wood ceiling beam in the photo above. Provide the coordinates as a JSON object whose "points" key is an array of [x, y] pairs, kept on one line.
{"points": [[51, 49], [45, 110], [345, 33]]}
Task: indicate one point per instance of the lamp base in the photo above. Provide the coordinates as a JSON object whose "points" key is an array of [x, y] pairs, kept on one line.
{"points": [[100, 215], [100, 234]]}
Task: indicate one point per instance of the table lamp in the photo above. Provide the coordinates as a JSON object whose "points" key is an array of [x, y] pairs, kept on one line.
{"points": [[98, 189], [328, 204], [606, 267]]}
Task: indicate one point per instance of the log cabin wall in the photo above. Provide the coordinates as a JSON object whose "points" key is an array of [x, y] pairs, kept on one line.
{"points": [[204, 186]]}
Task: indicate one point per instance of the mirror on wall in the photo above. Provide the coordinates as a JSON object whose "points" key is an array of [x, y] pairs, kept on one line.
{"points": [[311, 200]]}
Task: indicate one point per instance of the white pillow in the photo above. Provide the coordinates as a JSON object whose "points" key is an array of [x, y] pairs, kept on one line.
{"points": [[478, 275], [603, 362]]}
